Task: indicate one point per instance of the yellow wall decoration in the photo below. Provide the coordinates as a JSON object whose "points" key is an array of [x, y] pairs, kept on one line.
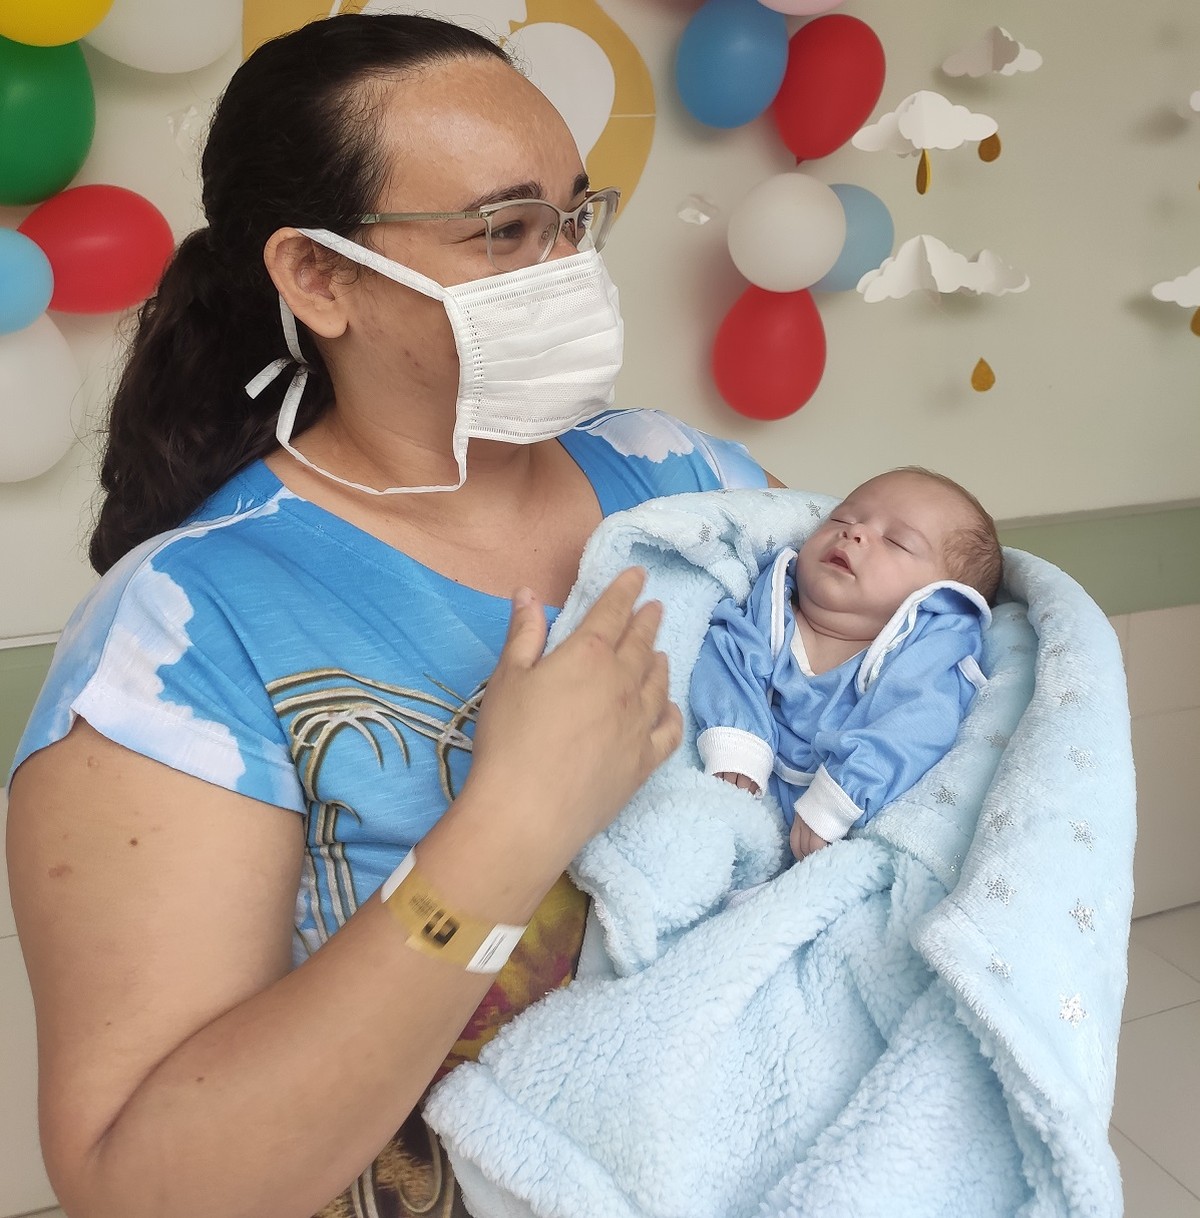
{"points": [[618, 156]]}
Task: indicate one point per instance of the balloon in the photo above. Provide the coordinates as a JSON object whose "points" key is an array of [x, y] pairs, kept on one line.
{"points": [[39, 380], [869, 237], [801, 8], [107, 245], [50, 23], [47, 119], [787, 232], [26, 281], [833, 79], [168, 35], [730, 61], [769, 353]]}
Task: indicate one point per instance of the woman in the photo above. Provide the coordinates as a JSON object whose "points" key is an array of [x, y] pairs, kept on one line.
{"points": [[272, 696]]}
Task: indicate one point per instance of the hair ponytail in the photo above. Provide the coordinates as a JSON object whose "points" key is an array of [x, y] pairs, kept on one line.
{"points": [[293, 142], [181, 422]]}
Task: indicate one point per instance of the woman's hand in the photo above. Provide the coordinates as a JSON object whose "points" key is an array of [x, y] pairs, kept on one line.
{"points": [[579, 730]]}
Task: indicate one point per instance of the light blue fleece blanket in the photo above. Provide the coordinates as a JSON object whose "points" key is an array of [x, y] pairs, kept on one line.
{"points": [[919, 1020]]}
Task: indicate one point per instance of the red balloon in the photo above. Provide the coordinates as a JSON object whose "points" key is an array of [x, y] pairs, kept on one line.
{"points": [[833, 79], [769, 353], [107, 247]]}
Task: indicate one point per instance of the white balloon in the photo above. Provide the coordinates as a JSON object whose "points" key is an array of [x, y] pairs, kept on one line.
{"points": [[787, 232], [168, 35], [39, 381]]}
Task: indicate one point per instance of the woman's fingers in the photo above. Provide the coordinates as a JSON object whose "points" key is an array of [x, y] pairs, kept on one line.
{"points": [[609, 618], [526, 630]]}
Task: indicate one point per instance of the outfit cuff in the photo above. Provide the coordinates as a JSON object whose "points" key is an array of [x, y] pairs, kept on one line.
{"points": [[826, 809], [729, 749]]}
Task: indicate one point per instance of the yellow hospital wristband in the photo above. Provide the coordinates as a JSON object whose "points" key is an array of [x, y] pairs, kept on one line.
{"points": [[435, 930]]}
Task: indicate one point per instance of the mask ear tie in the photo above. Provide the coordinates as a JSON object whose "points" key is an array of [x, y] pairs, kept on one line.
{"points": [[295, 391]]}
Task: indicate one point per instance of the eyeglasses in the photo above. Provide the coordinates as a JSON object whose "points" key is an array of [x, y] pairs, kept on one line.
{"points": [[522, 232]]}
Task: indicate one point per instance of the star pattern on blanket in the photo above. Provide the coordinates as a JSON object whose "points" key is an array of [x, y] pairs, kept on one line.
{"points": [[706, 532], [997, 740], [814, 510], [1083, 915], [999, 889], [1083, 833], [1071, 1009], [1002, 818], [946, 796], [1082, 759], [1056, 649], [1070, 697], [1000, 968]]}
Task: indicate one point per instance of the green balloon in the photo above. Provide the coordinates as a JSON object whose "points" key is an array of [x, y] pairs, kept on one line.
{"points": [[47, 119]]}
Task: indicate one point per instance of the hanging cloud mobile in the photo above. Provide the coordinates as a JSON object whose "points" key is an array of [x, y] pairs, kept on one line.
{"points": [[925, 120], [996, 51], [926, 264]]}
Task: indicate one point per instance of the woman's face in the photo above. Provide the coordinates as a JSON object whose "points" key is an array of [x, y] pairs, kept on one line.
{"points": [[457, 135]]}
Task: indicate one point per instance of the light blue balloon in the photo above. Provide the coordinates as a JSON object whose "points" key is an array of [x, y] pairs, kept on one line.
{"points": [[731, 60], [869, 237], [26, 281]]}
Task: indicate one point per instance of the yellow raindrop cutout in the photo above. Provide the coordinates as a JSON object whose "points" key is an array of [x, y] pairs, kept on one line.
{"points": [[989, 148], [1195, 326], [924, 172], [982, 377]]}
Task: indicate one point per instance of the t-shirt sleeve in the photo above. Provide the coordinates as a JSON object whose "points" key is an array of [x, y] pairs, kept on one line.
{"points": [[151, 663]]}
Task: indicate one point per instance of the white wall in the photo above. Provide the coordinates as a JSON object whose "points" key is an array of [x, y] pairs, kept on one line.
{"points": [[1094, 197]]}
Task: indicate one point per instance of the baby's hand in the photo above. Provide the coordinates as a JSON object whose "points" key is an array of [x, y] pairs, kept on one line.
{"points": [[804, 840], [740, 780]]}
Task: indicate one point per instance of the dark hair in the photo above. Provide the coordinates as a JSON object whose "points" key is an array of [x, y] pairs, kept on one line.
{"points": [[294, 141], [973, 554]]}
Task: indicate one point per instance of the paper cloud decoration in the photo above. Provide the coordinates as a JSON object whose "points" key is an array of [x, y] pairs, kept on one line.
{"points": [[996, 51], [1182, 291], [924, 120], [925, 263]]}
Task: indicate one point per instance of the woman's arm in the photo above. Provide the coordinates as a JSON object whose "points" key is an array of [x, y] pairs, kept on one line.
{"points": [[184, 1070]]}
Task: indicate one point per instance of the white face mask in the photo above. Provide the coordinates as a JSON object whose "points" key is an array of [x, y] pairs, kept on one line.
{"points": [[539, 350]]}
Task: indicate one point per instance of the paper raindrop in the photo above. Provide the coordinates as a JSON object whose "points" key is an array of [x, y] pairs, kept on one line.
{"points": [[989, 148], [982, 377]]}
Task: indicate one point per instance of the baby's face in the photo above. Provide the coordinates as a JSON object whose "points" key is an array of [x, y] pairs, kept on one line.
{"points": [[879, 545]]}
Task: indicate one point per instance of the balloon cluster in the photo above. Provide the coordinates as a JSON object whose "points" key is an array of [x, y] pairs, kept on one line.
{"points": [[791, 234], [82, 249]]}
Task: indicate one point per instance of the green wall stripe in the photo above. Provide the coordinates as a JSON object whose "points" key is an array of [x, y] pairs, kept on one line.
{"points": [[1147, 560], [22, 671]]}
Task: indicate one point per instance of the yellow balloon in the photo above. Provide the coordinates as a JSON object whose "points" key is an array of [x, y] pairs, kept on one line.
{"points": [[50, 23]]}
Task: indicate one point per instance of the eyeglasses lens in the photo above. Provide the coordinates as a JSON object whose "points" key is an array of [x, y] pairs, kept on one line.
{"points": [[523, 234]]}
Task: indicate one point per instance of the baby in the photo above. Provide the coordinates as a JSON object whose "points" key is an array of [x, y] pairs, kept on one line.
{"points": [[845, 675]]}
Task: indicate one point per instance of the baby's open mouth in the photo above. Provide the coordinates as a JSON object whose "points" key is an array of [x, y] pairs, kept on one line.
{"points": [[837, 559]]}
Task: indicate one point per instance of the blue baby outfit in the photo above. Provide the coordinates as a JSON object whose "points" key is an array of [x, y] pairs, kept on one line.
{"points": [[835, 747], [276, 650]]}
